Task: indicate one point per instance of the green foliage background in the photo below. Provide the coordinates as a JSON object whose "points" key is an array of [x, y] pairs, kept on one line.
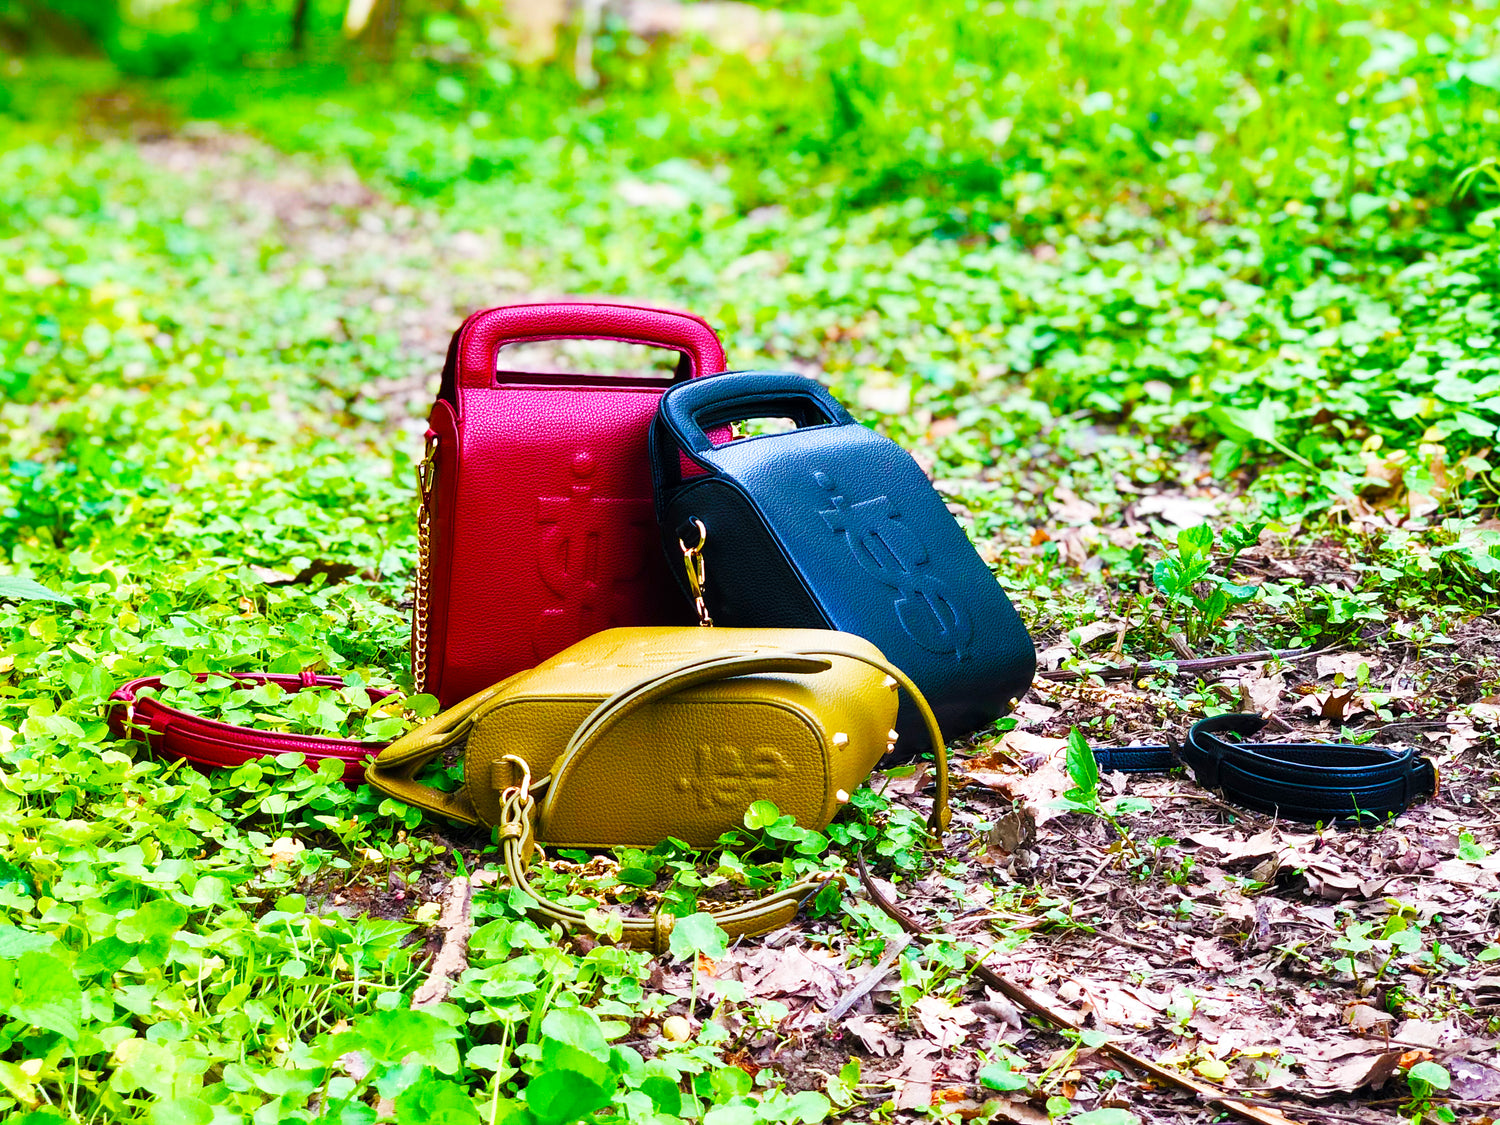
{"points": [[1100, 247]]}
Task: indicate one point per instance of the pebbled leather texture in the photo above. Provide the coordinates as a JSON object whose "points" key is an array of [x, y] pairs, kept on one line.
{"points": [[857, 529], [209, 744], [766, 589], [542, 528]]}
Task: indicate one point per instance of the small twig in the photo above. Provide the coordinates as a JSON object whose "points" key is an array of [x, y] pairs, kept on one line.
{"points": [[1314, 1110], [456, 922], [1215, 1096], [1108, 859], [867, 984], [1207, 799], [1183, 667], [1131, 943]]}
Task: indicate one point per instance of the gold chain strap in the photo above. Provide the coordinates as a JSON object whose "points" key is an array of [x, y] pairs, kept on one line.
{"points": [[426, 478]]}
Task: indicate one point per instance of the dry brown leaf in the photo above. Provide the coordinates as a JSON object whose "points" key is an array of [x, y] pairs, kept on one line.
{"points": [[1346, 662], [876, 1038], [1120, 1005], [1069, 508], [1035, 714], [1016, 1111], [1473, 1081], [1013, 831], [1251, 849], [1038, 790], [1351, 1074], [1073, 544], [1486, 711], [1481, 874], [1177, 509], [914, 1077], [1426, 1033], [1332, 705], [1261, 693], [1362, 1017], [943, 1021], [1033, 749], [997, 1007]]}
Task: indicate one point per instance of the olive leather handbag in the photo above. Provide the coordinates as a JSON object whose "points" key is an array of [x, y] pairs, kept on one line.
{"points": [[635, 735], [832, 526]]}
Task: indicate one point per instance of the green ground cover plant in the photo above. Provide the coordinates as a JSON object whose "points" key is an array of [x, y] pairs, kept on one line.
{"points": [[1078, 257]]}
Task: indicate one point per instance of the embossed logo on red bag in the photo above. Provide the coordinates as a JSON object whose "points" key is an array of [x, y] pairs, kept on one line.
{"points": [[890, 552], [728, 777], [592, 556]]}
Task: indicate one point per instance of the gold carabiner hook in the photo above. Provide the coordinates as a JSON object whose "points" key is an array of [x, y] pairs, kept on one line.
{"points": [[697, 572], [524, 788]]}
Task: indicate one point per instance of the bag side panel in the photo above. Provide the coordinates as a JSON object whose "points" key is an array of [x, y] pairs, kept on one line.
{"points": [[690, 766], [533, 727]]}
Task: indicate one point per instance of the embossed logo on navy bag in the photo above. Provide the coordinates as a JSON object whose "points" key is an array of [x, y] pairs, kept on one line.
{"points": [[890, 552]]}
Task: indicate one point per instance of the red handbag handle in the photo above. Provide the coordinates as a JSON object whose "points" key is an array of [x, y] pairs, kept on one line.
{"points": [[210, 744], [485, 333]]}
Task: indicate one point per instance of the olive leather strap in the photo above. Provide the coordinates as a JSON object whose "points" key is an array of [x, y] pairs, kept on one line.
{"points": [[517, 842]]}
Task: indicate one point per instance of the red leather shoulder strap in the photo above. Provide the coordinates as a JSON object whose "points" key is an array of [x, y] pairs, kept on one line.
{"points": [[209, 744]]}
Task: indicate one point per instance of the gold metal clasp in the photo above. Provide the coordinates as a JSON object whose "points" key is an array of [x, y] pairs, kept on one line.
{"points": [[524, 787], [697, 572], [425, 471]]}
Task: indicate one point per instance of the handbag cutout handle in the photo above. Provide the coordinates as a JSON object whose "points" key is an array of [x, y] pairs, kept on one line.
{"points": [[739, 395], [479, 341]]}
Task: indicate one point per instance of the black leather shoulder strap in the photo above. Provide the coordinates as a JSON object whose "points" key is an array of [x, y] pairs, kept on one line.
{"points": [[1304, 781]]}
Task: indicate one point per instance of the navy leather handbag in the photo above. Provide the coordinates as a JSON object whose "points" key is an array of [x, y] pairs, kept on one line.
{"points": [[831, 525]]}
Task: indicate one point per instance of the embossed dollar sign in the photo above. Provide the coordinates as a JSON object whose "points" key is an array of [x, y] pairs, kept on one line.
{"points": [[588, 556], [890, 553]]}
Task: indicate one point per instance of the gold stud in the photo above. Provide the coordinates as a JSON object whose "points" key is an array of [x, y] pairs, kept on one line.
{"points": [[890, 747], [840, 739], [890, 682], [892, 735], [841, 797]]}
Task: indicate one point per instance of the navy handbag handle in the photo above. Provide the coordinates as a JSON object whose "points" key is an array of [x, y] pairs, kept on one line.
{"points": [[690, 408], [687, 410]]}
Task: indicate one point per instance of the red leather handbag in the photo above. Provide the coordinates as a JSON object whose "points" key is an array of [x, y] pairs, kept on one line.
{"points": [[537, 525]]}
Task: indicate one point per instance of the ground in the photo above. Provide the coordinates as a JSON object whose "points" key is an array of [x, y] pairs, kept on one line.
{"points": [[270, 330]]}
